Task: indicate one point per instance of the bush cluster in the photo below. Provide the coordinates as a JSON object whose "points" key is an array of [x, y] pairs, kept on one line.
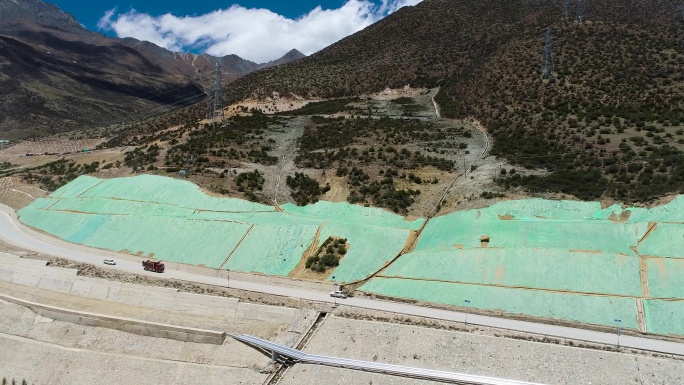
{"points": [[305, 190], [328, 255], [142, 157], [241, 138], [54, 175], [250, 181]]}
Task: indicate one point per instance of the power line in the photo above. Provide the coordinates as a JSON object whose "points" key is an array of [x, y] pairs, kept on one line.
{"points": [[154, 111], [218, 95], [581, 10], [547, 67]]}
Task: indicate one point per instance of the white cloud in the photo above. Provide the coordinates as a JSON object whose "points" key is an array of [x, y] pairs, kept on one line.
{"points": [[255, 34]]}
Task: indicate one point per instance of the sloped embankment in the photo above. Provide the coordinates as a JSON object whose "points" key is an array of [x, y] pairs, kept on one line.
{"points": [[565, 260], [174, 220], [572, 261]]}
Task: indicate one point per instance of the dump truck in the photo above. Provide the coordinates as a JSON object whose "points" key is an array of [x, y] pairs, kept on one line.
{"points": [[156, 266]]}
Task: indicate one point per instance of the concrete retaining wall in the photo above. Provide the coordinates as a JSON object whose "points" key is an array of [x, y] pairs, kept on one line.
{"points": [[34, 273], [143, 328]]}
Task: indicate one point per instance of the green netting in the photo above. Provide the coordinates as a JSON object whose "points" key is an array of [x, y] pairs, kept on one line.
{"points": [[352, 213], [665, 317], [370, 248], [589, 309], [260, 218], [666, 278], [556, 246], [160, 213], [274, 250], [171, 239], [76, 187], [541, 208], [120, 207], [42, 203], [157, 189], [667, 240], [467, 229], [544, 269], [671, 212]]}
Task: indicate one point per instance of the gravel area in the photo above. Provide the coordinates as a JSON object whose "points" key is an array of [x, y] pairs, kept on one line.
{"points": [[44, 351], [75, 354], [211, 319], [471, 354]]}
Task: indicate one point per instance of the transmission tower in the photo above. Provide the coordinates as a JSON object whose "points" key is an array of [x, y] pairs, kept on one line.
{"points": [[218, 97], [566, 8], [547, 67], [581, 10], [210, 102]]}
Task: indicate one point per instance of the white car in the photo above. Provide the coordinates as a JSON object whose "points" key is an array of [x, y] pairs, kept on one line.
{"points": [[109, 262], [338, 294]]}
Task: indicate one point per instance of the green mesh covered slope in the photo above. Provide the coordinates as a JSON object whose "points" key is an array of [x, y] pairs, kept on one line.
{"points": [[552, 269], [553, 259], [174, 220], [565, 306], [575, 261]]}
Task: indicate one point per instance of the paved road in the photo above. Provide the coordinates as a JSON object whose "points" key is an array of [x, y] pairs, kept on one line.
{"points": [[18, 235]]}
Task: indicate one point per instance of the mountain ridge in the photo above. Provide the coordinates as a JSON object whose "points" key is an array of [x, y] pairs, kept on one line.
{"points": [[49, 64], [609, 116]]}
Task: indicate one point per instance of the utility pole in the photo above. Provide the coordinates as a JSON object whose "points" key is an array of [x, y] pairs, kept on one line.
{"points": [[467, 303], [547, 67], [581, 10], [218, 97], [618, 331]]}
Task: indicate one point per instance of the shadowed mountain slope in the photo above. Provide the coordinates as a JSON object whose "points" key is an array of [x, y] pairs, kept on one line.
{"points": [[57, 76]]}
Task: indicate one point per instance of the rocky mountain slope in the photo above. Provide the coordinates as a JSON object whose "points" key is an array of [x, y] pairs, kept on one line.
{"points": [[56, 76], [608, 122]]}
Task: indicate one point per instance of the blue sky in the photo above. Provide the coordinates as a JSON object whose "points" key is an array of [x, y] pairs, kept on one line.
{"points": [[89, 13], [258, 30]]}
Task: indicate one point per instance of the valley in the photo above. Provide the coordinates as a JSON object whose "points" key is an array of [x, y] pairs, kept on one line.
{"points": [[488, 189]]}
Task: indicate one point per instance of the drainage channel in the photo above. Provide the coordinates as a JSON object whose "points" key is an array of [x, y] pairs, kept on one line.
{"points": [[282, 368]]}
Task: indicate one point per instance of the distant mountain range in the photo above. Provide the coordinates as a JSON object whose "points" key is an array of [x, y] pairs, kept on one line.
{"points": [[56, 75]]}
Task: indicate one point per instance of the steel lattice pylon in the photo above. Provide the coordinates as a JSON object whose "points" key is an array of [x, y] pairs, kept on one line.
{"points": [[218, 97], [581, 10], [547, 67]]}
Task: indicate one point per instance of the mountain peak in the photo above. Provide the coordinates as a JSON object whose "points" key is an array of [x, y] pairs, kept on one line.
{"points": [[36, 13], [290, 56], [294, 54]]}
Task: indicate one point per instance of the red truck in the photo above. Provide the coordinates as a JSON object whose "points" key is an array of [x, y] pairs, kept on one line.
{"points": [[157, 267]]}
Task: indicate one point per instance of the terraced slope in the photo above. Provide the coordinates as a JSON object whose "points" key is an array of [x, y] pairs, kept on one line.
{"points": [[565, 260], [173, 220]]}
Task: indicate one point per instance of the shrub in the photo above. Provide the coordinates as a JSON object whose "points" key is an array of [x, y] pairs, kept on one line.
{"points": [[305, 189]]}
